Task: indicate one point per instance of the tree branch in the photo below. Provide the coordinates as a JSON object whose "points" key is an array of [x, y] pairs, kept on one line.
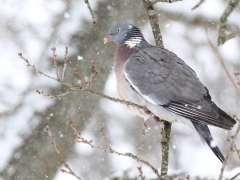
{"points": [[68, 170], [152, 15], [167, 1], [223, 36], [198, 4], [78, 87], [219, 57], [230, 149], [234, 177], [91, 12], [166, 130], [109, 149]]}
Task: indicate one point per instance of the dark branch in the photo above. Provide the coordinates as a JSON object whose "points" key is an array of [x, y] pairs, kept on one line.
{"points": [[152, 15], [166, 1], [166, 130], [223, 36], [198, 4], [91, 12]]}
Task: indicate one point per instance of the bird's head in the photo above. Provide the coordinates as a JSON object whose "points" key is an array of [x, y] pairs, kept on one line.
{"points": [[125, 33]]}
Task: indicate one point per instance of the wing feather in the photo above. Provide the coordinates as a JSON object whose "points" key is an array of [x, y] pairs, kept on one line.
{"points": [[162, 78]]}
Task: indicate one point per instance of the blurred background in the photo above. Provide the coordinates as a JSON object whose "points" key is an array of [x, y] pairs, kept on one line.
{"points": [[33, 27]]}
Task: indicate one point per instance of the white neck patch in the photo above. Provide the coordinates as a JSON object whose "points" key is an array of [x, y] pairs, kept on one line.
{"points": [[134, 41]]}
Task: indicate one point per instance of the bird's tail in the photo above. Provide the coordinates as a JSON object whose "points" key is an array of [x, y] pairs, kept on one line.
{"points": [[205, 134]]}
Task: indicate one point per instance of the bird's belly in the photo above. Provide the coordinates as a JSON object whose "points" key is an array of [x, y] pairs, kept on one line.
{"points": [[127, 93]]}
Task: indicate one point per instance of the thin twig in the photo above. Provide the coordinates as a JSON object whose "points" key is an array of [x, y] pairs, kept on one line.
{"points": [[234, 177], [219, 56], [79, 138], [237, 74], [236, 150], [116, 99], [55, 61], [166, 1], [223, 36], [54, 96], [80, 75], [144, 128], [138, 160], [91, 12], [77, 87], [65, 63], [198, 4], [40, 72], [141, 173], [104, 135], [68, 169], [230, 149], [110, 150], [153, 18]]}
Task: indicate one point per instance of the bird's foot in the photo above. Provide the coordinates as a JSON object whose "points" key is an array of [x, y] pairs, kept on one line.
{"points": [[157, 119], [148, 112]]}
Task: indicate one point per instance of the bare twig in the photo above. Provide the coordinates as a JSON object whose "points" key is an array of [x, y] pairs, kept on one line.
{"points": [[79, 138], [223, 36], [230, 149], [104, 135], [152, 15], [198, 4], [77, 87], [138, 160], [236, 150], [55, 61], [91, 12], [110, 150], [54, 96], [219, 56], [94, 72], [234, 177], [167, 1], [144, 128], [80, 75], [141, 173], [68, 169], [188, 177], [65, 63], [237, 74], [116, 99], [40, 72]]}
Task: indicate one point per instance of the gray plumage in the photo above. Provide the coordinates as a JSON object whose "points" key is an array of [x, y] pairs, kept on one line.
{"points": [[159, 80]]}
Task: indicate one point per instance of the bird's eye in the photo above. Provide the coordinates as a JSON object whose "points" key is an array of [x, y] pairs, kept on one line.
{"points": [[118, 30]]}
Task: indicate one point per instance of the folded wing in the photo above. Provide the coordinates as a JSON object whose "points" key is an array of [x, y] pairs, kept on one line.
{"points": [[162, 78]]}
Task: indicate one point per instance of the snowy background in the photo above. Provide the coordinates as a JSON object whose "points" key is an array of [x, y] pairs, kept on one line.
{"points": [[33, 27]]}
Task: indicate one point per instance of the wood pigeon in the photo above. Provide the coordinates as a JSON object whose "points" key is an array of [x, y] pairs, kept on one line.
{"points": [[162, 82]]}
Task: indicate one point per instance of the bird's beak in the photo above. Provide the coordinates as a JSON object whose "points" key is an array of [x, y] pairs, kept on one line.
{"points": [[108, 39]]}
